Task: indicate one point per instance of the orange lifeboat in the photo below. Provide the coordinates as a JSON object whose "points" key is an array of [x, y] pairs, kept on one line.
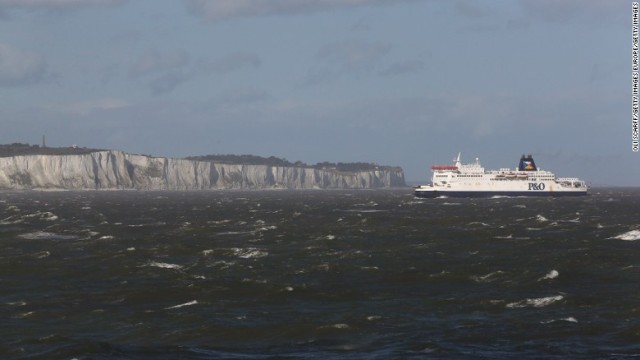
{"points": [[444, 167]]}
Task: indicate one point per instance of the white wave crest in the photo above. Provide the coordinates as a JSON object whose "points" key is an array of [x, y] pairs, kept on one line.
{"points": [[632, 235], [249, 253], [164, 265], [551, 275], [541, 218], [535, 302], [194, 302], [570, 319], [488, 277], [43, 235]]}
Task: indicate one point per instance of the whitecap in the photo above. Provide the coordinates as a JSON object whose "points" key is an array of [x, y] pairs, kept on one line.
{"points": [[504, 237], [24, 315], [570, 319], [330, 237], [249, 253], [11, 220], [164, 265], [551, 275], [478, 223], [106, 237], [194, 302], [46, 215], [541, 218], [535, 302], [17, 303], [448, 203], [632, 235], [43, 235], [335, 326], [490, 277], [267, 228], [207, 252], [42, 254]]}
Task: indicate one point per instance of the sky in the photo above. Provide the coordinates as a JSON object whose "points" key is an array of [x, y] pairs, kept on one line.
{"points": [[408, 83]]}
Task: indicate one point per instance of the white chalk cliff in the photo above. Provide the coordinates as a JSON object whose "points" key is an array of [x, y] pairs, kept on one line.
{"points": [[117, 170]]}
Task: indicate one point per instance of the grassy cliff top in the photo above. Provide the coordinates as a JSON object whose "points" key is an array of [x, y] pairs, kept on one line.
{"points": [[18, 149]]}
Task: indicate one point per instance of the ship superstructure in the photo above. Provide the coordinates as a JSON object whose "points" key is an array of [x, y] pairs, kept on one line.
{"points": [[472, 180]]}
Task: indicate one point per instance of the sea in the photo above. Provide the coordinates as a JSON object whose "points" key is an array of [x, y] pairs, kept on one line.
{"points": [[318, 274]]}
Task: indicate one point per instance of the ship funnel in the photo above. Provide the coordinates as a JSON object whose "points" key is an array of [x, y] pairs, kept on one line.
{"points": [[527, 164]]}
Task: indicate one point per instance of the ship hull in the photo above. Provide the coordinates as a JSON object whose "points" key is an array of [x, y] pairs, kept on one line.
{"points": [[432, 193]]}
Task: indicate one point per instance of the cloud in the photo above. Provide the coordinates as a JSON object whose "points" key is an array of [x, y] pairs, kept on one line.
{"points": [[562, 11], [346, 57], [168, 71], [153, 62], [21, 67], [244, 96], [91, 106], [56, 4], [405, 67], [354, 55], [224, 9], [167, 83], [230, 62]]}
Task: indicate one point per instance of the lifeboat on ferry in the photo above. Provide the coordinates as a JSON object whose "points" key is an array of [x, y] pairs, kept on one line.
{"points": [[444, 167]]}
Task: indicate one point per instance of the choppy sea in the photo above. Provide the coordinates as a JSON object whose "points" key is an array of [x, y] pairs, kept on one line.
{"points": [[318, 274]]}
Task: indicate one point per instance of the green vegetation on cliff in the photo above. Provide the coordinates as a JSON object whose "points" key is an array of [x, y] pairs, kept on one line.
{"points": [[18, 149], [275, 161]]}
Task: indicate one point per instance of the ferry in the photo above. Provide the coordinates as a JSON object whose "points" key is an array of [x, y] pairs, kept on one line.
{"points": [[471, 180]]}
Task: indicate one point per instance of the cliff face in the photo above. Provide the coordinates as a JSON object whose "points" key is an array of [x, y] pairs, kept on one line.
{"points": [[115, 170]]}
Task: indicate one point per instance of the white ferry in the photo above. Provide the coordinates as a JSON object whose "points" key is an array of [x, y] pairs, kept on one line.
{"points": [[471, 180]]}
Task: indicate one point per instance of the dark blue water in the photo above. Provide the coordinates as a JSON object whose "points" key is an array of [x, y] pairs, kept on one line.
{"points": [[318, 274]]}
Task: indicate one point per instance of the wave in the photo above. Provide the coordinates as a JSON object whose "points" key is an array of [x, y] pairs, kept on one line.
{"points": [[551, 275], [490, 277], [535, 302], [570, 319], [632, 235], [249, 253], [541, 218], [44, 235], [190, 303], [164, 265]]}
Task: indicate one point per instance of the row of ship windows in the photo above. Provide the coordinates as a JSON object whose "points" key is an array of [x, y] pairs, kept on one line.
{"points": [[479, 176]]}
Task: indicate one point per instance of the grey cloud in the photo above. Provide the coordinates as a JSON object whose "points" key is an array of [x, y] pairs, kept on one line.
{"points": [[562, 11], [154, 62], [346, 57], [56, 4], [167, 83], [244, 96], [6, 6], [21, 67], [405, 67], [224, 9], [354, 54], [175, 69], [230, 62]]}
